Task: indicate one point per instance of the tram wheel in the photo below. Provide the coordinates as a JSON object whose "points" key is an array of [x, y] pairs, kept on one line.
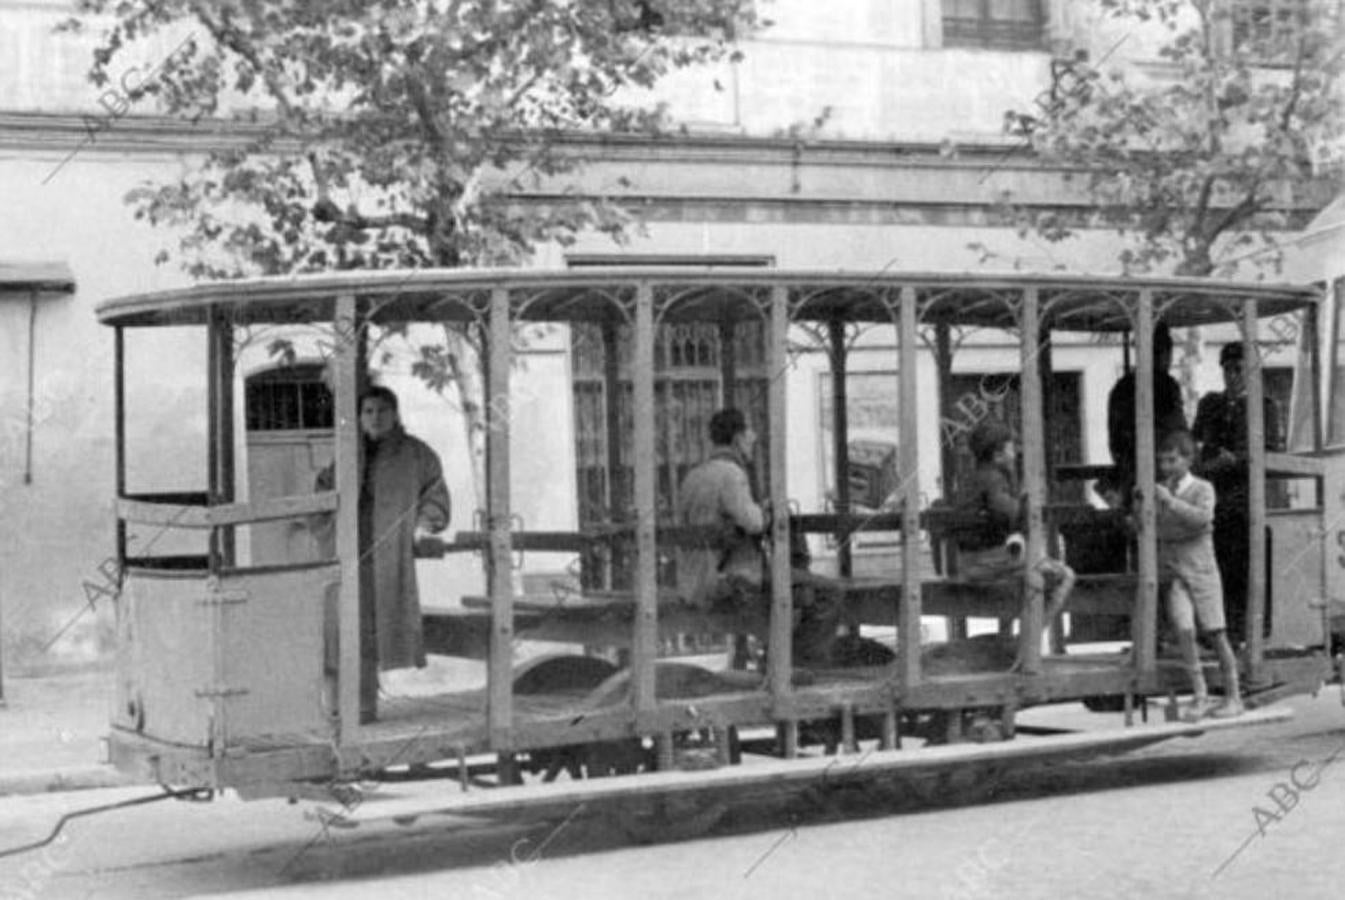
{"points": [[667, 818], [576, 675]]}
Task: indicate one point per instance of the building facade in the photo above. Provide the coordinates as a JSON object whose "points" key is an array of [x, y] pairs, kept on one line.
{"points": [[860, 134]]}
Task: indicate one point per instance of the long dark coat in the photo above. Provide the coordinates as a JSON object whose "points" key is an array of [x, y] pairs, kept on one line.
{"points": [[403, 486]]}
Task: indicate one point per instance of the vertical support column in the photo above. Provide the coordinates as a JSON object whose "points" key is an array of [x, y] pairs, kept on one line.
{"points": [[119, 415], [645, 640], [222, 436], [1144, 625], [781, 583], [212, 433], [908, 617], [943, 363], [1256, 491], [500, 664], [616, 498], [840, 444], [1034, 483], [1311, 345], [347, 463]]}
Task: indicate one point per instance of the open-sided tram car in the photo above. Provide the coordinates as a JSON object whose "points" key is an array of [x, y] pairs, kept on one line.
{"points": [[221, 679]]}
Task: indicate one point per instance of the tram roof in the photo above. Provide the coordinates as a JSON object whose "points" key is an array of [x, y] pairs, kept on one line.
{"points": [[684, 294]]}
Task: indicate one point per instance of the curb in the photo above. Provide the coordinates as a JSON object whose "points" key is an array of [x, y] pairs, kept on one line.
{"points": [[74, 778]]}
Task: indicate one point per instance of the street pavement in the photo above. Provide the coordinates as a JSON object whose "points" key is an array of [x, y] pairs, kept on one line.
{"points": [[52, 730]]}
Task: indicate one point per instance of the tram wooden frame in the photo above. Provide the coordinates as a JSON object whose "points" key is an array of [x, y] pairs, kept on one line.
{"points": [[496, 300]]}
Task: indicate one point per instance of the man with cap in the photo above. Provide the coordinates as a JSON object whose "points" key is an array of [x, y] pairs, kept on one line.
{"points": [[1221, 430]]}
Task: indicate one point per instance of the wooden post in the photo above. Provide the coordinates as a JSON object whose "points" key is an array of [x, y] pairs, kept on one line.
{"points": [[1034, 484], [616, 496], [347, 466], [782, 601], [500, 664], [119, 426], [645, 640], [1310, 345], [1256, 491], [943, 363], [840, 444], [908, 617], [223, 436], [1144, 626]]}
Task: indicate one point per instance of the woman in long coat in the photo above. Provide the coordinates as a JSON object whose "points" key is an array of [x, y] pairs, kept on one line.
{"points": [[402, 489]]}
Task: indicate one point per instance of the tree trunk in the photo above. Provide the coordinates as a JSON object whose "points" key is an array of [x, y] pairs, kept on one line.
{"points": [[465, 369]]}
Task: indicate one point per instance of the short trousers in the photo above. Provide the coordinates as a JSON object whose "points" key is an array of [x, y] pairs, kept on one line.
{"points": [[1188, 607]]}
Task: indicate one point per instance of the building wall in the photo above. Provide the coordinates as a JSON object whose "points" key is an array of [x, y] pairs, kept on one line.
{"points": [[821, 149]]}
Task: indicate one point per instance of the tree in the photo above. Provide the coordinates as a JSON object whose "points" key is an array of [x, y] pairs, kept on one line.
{"points": [[1198, 164], [393, 133]]}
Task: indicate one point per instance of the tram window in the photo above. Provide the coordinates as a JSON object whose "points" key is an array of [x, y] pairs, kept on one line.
{"points": [[1065, 419], [289, 398]]}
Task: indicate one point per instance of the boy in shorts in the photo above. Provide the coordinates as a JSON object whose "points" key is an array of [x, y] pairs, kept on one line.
{"points": [[994, 552], [1185, 513]]}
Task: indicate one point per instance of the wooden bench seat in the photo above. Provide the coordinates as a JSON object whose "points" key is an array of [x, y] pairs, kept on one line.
{"points": [[605, 618]]}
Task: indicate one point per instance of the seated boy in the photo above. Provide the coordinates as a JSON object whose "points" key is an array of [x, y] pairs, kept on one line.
{"points": [[994, 552], [1185, 512]]}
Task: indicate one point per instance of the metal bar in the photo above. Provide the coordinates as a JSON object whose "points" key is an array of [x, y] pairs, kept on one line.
{"points": [[1144, 626], [908, 618], [347, 467], [840, 439], [1034, 483], [1256, 491], [645, 639], [499, 577]]}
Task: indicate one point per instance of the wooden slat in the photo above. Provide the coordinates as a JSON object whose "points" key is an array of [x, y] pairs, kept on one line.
{"points": [[499, 676], [1256, 493], [347, 467], [908, 625], [1290, 464], [782, 601], [1034, 482], [1144, 624], [180, 515], [645, 638]]}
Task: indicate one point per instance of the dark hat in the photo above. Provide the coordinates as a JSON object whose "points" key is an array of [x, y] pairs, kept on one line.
{"points": [[1230, 353], [1162, 338]]}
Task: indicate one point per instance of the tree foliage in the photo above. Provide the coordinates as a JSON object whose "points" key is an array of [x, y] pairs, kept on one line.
{"points": [[393, 132], [370, 134], [1198, 158]]}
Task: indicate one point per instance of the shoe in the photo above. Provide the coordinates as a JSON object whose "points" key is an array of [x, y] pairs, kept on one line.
{"points": [[1199, 708], [1229, 709]]}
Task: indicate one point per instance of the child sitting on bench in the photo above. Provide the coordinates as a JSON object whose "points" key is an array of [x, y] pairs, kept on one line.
{"points": [[994, 553]]}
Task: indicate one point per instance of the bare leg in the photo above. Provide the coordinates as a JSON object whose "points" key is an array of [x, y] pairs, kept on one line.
{"points": [[1228, 663], [1186, 640]]}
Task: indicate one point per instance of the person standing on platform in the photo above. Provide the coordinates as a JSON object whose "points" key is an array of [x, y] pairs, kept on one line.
{"points": [[402, 491], [1220, 431]]}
